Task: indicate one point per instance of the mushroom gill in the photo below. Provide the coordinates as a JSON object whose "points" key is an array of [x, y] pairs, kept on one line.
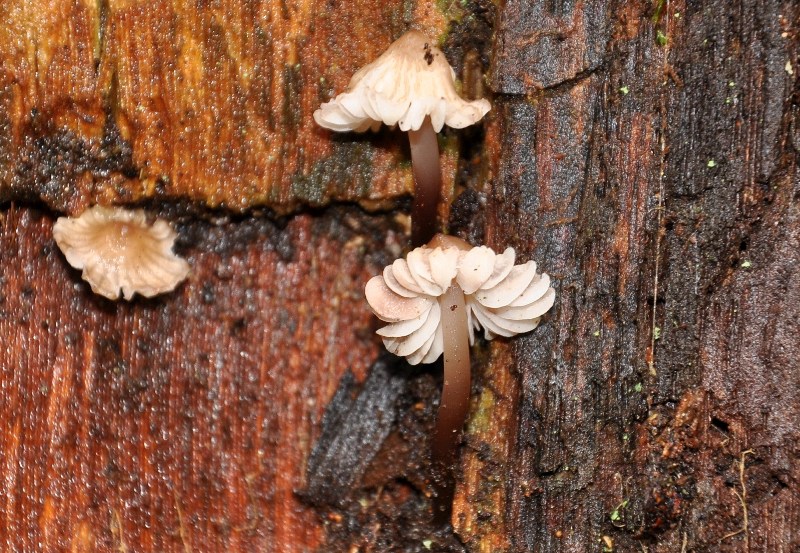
{"points": [[119, 250], [435, 300]]}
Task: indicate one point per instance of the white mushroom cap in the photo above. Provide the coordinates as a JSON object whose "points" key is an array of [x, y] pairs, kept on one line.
{"points": [[502, 298], [119, 250], [409, 81]]}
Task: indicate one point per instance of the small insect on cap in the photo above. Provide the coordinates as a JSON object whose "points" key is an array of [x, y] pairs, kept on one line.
{"points": [[409, 81], [119, 250], [502, 298]]}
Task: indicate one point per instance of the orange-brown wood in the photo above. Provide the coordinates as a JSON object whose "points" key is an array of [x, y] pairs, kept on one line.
{"points": [[208, 102], [644, 154]]}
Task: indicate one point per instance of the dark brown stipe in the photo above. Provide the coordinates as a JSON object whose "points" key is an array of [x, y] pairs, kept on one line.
{"points": [[455, 392], [455, 398], [427, 183]]}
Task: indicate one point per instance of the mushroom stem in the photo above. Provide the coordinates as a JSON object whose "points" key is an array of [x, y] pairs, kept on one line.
{"points": [[455, 393], [427, 182]]}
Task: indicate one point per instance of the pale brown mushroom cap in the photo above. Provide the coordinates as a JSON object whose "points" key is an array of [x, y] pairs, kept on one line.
{"points": [[408, 82], [502, 298], [119, 250]]}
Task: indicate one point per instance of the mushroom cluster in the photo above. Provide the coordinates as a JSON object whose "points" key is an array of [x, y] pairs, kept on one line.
{"points": [[410, 85], [445, 290], [435, 300]]}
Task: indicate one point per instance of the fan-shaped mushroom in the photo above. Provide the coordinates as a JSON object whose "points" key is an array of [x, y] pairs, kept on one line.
{"points": [[119, 250]]}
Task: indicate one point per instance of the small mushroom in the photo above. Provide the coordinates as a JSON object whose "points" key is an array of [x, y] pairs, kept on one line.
{"points": [[410, 85], [119, 250], [437, 298]]}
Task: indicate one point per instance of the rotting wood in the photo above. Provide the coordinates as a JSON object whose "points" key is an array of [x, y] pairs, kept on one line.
{"points": [[686, 217], [182, 419], [118, 102], [645, 153]]}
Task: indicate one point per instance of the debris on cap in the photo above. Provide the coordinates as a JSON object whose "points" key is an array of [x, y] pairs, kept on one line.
{"points": [[411, 80]]}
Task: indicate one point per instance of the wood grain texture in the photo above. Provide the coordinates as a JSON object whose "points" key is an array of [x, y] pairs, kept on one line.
{"points": [[656, 181], [184, 422], [645, 154], [117, 102]]}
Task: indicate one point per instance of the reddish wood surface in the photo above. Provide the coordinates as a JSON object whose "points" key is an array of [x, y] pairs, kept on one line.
{"points": [[645, 154], [180, 423]]}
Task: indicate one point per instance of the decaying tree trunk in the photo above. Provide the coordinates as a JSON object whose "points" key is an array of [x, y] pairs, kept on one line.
{"points": [[644, 153]]}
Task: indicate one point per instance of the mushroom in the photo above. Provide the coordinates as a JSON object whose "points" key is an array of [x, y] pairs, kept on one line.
{"points": [[119, 250], [437, 298], [410, 85]]}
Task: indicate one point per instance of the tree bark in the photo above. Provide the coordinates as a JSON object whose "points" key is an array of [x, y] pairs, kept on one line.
{"points": [[644, 154]]}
